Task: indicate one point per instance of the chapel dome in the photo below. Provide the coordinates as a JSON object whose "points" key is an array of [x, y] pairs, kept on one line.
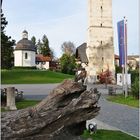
{"points": [[24, 43]]}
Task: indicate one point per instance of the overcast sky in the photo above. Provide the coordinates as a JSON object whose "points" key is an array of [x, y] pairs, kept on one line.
{"points": [[65, 20]]}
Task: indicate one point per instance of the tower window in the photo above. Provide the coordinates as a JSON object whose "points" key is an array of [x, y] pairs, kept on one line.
{"points": [[101, 42], [102, 58], [101, 25], [26, 56], [101, 8]]}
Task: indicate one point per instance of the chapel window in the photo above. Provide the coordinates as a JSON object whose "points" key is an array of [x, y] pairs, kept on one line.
{"points": [[101, 8], [26, 56]]}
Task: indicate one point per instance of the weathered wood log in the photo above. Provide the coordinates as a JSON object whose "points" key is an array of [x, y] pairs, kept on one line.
{"points": [[68, 106]]}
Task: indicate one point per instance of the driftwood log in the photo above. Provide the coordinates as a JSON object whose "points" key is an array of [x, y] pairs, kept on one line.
{"points": [[61, 115]]}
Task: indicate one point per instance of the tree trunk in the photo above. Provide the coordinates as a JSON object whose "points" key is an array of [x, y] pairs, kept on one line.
{"points": [[62, 112]]}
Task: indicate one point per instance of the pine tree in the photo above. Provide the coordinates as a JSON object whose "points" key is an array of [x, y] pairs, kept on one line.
{"points": [[7, 57], [45, 49], [33, 39], [39, 46]]}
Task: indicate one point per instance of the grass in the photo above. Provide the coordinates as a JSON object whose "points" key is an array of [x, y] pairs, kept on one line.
{"points": [[24, 104], [32, 77], [130, 101], [108, 135]]}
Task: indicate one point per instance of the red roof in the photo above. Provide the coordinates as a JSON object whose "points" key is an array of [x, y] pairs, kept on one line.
{"points": [[41, 58]]}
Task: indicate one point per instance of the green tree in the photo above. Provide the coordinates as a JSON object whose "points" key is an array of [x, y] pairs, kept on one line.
{"points": [[68, 63], [135, 88], [45, 49], [39, 46], [33, 39], [7, 57]]}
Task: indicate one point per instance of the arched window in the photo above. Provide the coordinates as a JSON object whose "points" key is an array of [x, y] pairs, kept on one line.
{"points": [[101, 42], [101, 7], [26, 56]]}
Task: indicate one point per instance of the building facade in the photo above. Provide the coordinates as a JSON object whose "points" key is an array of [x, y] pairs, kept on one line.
{"points": [[24, 53], [100, 48], [43, 62]]}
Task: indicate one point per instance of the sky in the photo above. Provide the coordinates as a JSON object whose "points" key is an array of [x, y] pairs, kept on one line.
{"points": [[66, 20]]}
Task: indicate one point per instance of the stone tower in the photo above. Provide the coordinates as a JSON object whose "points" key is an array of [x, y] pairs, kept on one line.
{"points": [[100, 48]]}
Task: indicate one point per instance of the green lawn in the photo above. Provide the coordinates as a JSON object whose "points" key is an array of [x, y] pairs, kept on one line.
{"points": [[130, 101], [24, 104], [32, 77], [108, 135]]}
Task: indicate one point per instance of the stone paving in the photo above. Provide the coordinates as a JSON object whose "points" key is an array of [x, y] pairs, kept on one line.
{"points": [[116, 115]]}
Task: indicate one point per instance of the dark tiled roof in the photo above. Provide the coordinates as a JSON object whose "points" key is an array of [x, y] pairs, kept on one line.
{"points": [[25, 44], [41, 58], [25, 32], [81, 53]]}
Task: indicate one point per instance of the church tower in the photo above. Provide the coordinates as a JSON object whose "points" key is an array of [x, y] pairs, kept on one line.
{"points": [[100, 48]]}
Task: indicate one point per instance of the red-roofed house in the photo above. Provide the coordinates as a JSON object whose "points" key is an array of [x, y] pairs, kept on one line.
{"points": [[43, 62]]}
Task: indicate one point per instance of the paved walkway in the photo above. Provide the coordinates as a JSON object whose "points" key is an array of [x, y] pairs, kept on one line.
{"points": [[33, 89], [116, 115], [112, 115]]}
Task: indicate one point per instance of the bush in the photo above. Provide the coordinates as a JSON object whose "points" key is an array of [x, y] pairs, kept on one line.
{"points": [[135, 88], [68, 64], [118, 69], [105, 77], [134, 75]]}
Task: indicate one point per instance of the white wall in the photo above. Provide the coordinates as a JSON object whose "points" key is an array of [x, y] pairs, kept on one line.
{"points": [[43, 65], [19, 58]]}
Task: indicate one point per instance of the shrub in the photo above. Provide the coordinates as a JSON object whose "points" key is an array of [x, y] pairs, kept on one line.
{"points": [[134, 75], [118, 69], [68, 64], [105, 77], [135, 88]]}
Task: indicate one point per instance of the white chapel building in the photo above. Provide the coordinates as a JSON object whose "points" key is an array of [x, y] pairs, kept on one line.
{"points": [[24, 53]]}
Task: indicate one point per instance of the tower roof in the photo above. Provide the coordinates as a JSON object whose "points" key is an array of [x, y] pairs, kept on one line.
{"points": [[25, 32], [25, 44], [81, 53]]}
